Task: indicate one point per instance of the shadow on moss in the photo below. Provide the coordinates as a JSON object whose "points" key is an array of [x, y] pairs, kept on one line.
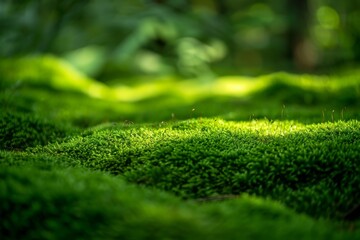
{"points": [[19, 131], [79, 204]]}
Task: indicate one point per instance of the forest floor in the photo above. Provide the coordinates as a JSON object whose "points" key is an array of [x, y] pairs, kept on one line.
{"points": [[268, 157]]}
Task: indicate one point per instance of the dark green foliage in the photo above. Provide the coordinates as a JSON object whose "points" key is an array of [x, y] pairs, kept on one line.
{"points": [[76, 204], [312, 168], [250, 37], [19, 131]]}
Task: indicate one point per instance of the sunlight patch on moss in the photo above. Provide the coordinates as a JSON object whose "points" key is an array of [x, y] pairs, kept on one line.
{"points": [[283, 160]]}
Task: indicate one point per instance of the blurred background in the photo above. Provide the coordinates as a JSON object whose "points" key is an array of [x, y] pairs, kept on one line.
{"points": [[190, 38]]}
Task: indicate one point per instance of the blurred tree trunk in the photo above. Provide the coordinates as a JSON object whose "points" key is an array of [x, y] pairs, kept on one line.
{"points": [[221, 7], [223, 10], [181, 6], [300, 49]]}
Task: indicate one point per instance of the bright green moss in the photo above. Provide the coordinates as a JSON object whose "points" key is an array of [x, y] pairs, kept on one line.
{"points": [[204, 157], [85, 205], [50, 72], [30, 84]]}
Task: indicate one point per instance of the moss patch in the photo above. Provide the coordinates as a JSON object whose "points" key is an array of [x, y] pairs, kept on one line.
{"points": [[312, 168], [19, 131], [238, 157], [79, 204]]}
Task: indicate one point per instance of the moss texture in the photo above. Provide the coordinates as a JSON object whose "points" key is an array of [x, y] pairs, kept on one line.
{"points": [[271, 157], [311, 168], [19, 131], [86, 205]]}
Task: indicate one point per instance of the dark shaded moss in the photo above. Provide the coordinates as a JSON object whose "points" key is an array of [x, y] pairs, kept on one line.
{"points": [[40, 161], [77, 204], [19, 131]]}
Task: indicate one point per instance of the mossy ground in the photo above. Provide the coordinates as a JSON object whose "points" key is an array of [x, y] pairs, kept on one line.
{"points": [[273, 157]]}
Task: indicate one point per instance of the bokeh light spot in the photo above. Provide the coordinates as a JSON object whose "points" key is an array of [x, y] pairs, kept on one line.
{"points": [[328, 17]]}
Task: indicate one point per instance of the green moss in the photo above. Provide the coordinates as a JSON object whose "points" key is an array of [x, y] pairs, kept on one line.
{"points": [[305, 156], [40, 161], [48, 72], [207, 157], [85, 205], [19, 131], [30, 84]]}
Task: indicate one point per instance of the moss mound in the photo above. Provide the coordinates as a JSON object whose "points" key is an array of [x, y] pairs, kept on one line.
{"points": [[311, 168], [48, 72], [86, 205]]}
